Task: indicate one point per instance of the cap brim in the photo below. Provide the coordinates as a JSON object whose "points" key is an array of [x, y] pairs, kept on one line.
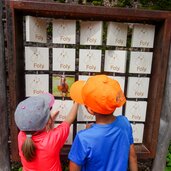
{"points": [[76, 91]]}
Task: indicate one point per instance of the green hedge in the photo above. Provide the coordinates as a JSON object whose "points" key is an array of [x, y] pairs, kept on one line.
{"points": [[168, 159]]}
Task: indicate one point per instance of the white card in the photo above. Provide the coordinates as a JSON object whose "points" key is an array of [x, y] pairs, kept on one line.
{"points": [[118, 111], [91, 32], [90, 60], [117, 34], [63, 59], [64, 107], [36, 29], [64, 31], [121, 81], [143, 36], [83, 77], [83, 114], [81, 127], [115, 61], [140, 62], [70, 137], [36, 84], [136, 110], [138, 87], [36, 58], [138, 130]]}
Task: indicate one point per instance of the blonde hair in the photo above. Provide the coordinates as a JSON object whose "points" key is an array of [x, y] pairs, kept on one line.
{"points": [[29, 149]]}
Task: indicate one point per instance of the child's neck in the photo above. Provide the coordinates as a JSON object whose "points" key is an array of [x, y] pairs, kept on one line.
{"points": [[105, 119]]}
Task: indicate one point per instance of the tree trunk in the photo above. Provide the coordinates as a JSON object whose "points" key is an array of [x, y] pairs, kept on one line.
{"points": [[4, 150], [165, 125]]}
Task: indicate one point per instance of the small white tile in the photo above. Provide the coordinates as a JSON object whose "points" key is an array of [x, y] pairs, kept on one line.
{"points": [[64, 107], [81, 127], [36, 29], [83, 77], [90, 60], [136, 110], [117, 34], [138, 87], [36, 84], [115, 61], [83, 114], [140, 62], [64, 31], [63, 59], [91, 32], [138, 131], [143, 36], [118, 111], [36, 58]]}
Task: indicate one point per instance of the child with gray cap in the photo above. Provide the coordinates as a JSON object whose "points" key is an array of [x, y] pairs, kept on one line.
{"points": [[38, 142]]}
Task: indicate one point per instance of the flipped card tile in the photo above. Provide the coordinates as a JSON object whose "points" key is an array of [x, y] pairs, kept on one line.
{"points": [[117, 34], [36, 29]]}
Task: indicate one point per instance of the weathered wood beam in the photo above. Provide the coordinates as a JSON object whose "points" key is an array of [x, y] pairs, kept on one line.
{"points": [[165, 121], [4, 148]]}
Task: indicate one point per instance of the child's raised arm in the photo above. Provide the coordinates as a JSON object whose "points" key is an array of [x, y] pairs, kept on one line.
{"points": [[72, 114]]}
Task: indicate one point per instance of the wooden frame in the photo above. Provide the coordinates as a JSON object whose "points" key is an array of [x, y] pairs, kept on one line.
{"points": [[162, 20], [4, 133]]}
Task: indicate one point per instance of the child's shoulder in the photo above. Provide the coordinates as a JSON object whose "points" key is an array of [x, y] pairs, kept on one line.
{"points": [[123, 119]]}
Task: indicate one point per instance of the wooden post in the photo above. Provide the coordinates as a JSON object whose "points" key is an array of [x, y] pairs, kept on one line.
{"points": [[165, 122], [4, 152]]}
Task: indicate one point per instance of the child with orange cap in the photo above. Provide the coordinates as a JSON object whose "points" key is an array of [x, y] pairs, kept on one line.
{"points": [[108, 144], [38, 142]]}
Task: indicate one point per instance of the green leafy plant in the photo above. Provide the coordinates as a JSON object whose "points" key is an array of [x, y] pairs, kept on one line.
{"points": [[168, 159]]}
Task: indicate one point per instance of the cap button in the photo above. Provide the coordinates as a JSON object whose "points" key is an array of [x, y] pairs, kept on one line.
{"points": [[23, 107], [105, 81]]}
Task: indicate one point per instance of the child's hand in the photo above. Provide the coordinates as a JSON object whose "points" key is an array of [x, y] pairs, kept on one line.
{"points": [[88, 125], [54, 114]]}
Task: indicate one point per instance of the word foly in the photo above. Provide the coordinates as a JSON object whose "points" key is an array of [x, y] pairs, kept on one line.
{"points": [[91, 67], [144, 43], [38, 92], [65, 66], [39, 37], [91, 40], [39, 66], [114, 68], [141, 69], [139, 93], [65, 38]]}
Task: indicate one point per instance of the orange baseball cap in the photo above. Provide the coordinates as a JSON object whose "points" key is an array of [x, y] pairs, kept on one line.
{"points": [[100, 93]]}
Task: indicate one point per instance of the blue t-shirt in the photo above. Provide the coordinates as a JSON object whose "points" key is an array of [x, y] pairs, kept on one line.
{"points": [[103, 147]]}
